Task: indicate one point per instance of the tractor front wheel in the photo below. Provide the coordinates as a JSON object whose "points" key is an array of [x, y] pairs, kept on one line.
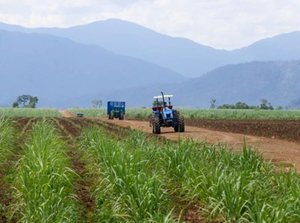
{"points": [[181, 124], [156, 126]]}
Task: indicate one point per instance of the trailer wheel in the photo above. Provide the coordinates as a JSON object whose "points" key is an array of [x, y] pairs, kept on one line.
{"points": [[111, 115], [156, 126], [181, 123]]}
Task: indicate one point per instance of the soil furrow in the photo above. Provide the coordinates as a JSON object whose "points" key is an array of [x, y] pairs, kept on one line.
{"points": [[84, 182]]}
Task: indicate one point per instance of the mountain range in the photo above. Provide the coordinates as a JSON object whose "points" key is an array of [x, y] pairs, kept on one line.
{"points": [[58, 69], [120, 60], [179, 54]]}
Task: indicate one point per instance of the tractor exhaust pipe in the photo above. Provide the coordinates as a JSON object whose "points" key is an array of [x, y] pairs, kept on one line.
{"points": [[163, 97]]}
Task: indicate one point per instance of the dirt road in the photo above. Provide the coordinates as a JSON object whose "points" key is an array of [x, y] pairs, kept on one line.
{"points": [[66, 114], [272, 149]]}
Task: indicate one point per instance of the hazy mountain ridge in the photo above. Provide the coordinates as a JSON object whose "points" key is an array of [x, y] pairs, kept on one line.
{"points": [[58, 69], [77, 66], [179, 54], [278, 82]]}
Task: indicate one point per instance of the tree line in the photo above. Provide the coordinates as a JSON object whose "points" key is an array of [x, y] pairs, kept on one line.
{"points": [[264, 105]]}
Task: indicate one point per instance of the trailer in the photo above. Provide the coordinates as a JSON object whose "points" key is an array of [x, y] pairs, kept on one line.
{"points": [[116, 109]]}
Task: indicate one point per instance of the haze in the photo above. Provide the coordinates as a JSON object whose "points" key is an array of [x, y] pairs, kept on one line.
{"points": [[223, 24]]}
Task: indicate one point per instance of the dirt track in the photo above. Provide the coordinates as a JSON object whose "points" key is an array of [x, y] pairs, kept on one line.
{"points": [[272, 149], [66, 114]]}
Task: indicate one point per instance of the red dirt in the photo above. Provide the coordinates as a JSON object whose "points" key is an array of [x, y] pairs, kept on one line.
{"points": [[84, 182], [272, 149], [276, 129], [66, 114]]}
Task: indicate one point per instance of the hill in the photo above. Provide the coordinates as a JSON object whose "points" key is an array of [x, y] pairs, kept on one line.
{"points": [[57, 69], [181, 55], [278, 82]]}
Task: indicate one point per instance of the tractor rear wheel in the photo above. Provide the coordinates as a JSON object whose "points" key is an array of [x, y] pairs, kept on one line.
{"points": [[121, 117], [176, 128], [151, 117], [181, 123], [156, 126]]}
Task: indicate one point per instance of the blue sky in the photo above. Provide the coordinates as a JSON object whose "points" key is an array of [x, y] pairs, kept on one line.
{"points": [[224, 24]]}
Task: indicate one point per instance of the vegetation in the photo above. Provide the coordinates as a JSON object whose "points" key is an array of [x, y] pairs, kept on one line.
{"points": [[89, 112], [26, 101], [139, 174], [97, 103], [132, 188], [28, 112], [7, 138], [137, 178], [43, 182], [144, 113], [265, 105], [213, 103], [238, 105]]}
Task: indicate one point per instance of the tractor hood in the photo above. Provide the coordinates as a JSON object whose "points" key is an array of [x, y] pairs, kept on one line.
{"points": [[167, 113]]}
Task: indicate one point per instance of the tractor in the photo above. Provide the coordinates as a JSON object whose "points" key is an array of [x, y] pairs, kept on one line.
{"points": [[116, 109], [164, 115]]}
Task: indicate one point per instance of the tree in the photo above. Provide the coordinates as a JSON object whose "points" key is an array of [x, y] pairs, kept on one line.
{"points": [[97, 103], [26, 101], [265, 105], [279, 108], [213, 103], [15, 104]]}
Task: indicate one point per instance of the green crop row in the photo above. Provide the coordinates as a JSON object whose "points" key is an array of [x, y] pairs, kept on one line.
{"points": [[240, 114], [7, 138], [43, 182], [89, 112], [29, 112], [138, 176], [144, 113], [131, 188]]}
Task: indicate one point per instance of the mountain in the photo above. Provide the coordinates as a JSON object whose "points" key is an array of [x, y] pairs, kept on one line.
{"points": [[278, 82], [281, 47], [57, 69], [181, 55]]}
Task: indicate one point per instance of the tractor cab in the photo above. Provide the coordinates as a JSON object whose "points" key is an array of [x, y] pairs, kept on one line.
{"points": [[160, 103]]}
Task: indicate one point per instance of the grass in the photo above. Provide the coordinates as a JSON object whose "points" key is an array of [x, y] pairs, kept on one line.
{"points": [[131, 188], [7, 145], [44, 182], [230, 187], [89, 112], [7, 138], [29, 112], [141, 113], [144, 113]]}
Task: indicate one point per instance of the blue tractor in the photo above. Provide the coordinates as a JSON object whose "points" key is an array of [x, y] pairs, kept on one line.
{"points": [[116, 109], [164, 115]]}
